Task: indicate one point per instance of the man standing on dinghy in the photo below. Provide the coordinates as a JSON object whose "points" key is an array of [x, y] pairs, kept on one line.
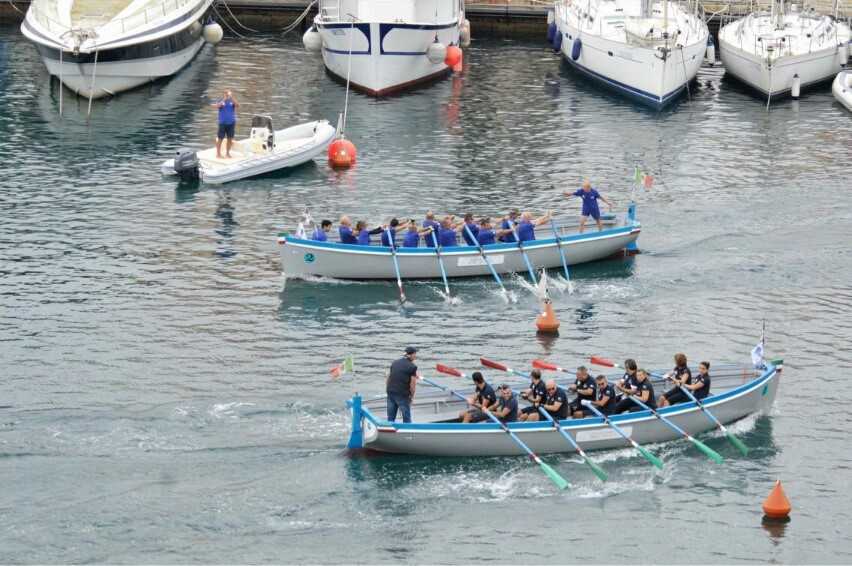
{"points": [[227, 123], [401, 385]]}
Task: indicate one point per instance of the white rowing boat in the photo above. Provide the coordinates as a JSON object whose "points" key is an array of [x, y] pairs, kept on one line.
{"points": [[841, 88]]}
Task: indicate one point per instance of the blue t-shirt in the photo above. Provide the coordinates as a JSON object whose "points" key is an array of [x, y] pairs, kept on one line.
{"points": [[487, 392], [319, 235], [227, 112], [485, 237], [412, 239], [385, 241], [512, 405], [346, 236], [435, 228], [364, 237], [474, 229], [447, 238], [590, 199], [526, 231], [509, 237]]}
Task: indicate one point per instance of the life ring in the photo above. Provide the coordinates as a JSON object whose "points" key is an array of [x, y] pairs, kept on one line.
{"points": [[576, 49]]}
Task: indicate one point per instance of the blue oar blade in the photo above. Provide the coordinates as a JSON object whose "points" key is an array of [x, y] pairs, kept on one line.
{"points": [[554, 476], [596, 469], [709, 452], [650, 457], [737, 442]]}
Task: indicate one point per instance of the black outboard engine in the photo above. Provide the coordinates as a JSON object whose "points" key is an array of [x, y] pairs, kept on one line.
{"points": [[186, 164]]}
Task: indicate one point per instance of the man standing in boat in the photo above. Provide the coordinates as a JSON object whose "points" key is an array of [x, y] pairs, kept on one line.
{"points": [[227, 123], [401, 384], [590, 198]]}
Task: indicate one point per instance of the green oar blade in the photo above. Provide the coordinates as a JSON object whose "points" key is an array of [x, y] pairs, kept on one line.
{"points": [[554, 476], [598, 471], [709, 452], [650, 457], [737, 442]]}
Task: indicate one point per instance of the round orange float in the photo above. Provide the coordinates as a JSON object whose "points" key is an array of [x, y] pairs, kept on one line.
{"points": [[777, 506], [454, 56], [341, 153], [546, 322]]}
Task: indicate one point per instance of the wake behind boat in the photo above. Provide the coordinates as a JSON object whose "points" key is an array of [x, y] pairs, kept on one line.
{"points": [[102, 47], [648, 51], [265, 150], [302, 257]]}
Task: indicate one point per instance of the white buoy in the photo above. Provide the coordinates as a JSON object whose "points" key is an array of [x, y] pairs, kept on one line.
{"points": [[436, 52], [212, 33], [312, 40], [797, 87], [464, 33]]}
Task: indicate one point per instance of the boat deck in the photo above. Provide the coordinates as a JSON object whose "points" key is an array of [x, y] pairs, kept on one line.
{"points": [[242, 151]]}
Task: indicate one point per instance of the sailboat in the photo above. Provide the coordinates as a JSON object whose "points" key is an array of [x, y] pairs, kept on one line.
{"points": [[784, 50], [646, 50]]}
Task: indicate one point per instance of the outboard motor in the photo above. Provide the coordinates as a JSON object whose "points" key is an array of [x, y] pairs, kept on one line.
{"points": [[186, 164]]}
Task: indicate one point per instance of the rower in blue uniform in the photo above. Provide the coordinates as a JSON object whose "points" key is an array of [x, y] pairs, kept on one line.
{"points": [[483, 398], [643, 390], [604, 399], [680, 375], [527, 224], [507, 405], [590, 198], [555, 403], [535, 395], [363, 233], [485, 235], [412, 235], [474, 229], [506, 225], [430, 222], [345, 230], [391, 229], [447, 236], [584, 387], [321, 232]]}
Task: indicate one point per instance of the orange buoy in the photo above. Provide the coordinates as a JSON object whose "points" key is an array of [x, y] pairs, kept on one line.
{"points": [[454, 56], [341, 153], [777, 506], [457, 68], [546, 322]]}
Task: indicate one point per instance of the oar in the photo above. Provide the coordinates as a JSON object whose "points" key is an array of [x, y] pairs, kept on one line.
{"points": [[396, 266], [554, 476], [643, 451], [441, 263], [485, 258], [728, 434], [595, 468], [709, 452], [523, 253], [562, 255]]}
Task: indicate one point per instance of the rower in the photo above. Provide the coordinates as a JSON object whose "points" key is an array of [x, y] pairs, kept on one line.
{"points": [[364, 234], [526, 227], [412, 235], [535, 394], [401, 385], [699, 386], [590, 198], [345, 230], [321, 232], [555, 403], [485, 235], [392, 228], [474, 229], [628, 380], [507, 405], [584, 387], [604, 399], [680, 375], [506, 226], [643, 390], [482, 398], [447, 234], [430, 222]]}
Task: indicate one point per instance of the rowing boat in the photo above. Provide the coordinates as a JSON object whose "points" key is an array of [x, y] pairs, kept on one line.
{"points": [[301, 257], [739, 391]]}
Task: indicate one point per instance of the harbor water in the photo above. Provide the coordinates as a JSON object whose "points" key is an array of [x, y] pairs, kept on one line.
{"points": [[166, 394]]}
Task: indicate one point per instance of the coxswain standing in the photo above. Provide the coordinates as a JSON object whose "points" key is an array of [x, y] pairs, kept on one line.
{"points": [[401, 385], [590, 198]]}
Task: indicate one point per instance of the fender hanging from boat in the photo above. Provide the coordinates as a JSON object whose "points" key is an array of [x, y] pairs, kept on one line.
{"points": [[576, 49]]}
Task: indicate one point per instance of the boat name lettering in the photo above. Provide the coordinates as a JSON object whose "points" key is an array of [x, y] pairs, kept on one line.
{"points": [[477, 260], [601, 434], [309, 258]]}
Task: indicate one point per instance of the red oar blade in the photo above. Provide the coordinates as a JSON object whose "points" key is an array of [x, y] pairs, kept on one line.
{"points": [[541, 364], [602, 362], [448, 370], [489, 364]]}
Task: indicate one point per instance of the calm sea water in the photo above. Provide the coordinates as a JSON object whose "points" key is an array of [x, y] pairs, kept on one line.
{"points": [[165, 395]]}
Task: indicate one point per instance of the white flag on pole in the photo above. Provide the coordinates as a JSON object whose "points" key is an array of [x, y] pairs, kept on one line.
{"points": [[757, 355]]}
